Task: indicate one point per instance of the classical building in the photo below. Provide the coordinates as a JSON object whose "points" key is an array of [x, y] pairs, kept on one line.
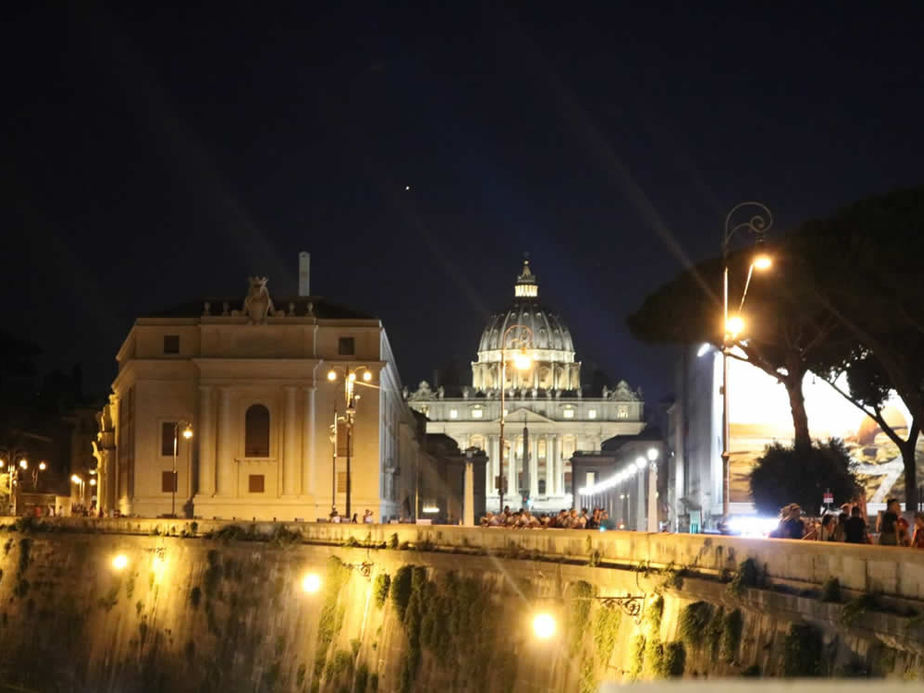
{"points": [[548, 417], [251, 378]]}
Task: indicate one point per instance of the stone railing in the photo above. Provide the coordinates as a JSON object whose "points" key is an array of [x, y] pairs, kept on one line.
{"points": [[892, 571]]}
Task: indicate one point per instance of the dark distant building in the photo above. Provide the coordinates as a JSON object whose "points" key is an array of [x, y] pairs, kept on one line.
{"points": [[442, 479]]}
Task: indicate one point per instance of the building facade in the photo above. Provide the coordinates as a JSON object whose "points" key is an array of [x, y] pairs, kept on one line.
{"points": [[252, 379], [547, 416]]}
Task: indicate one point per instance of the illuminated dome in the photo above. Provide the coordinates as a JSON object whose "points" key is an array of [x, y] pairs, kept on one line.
{"points": [[548, 342]]}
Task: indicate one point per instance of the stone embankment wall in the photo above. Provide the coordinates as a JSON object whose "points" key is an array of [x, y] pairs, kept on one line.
{"points": [[420, 609]]}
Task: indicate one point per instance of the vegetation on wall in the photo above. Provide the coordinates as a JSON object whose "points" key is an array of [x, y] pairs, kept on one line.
{"points": [[731, 635], [694, 624], [455, 620], [748, 575], [331, 618], [380, 588], [802, 651], [606, 633]]}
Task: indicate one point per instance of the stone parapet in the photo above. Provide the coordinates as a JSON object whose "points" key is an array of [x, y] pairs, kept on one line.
{"points": [[892, 571]]}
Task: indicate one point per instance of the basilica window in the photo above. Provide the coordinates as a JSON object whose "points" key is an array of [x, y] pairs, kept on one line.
{"points": [[257, 431], [171, 344], [453, 413], [591, 413], [568, 413], [477, 413], [256, 483]]}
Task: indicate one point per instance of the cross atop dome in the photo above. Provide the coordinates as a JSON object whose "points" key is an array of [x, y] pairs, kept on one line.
{"points": [[526, 286]]}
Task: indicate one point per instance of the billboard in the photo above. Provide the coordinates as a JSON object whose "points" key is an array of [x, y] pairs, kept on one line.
{"points": [[759, 414]]}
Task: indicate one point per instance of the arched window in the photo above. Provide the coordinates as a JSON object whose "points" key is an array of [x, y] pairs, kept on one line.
{"points": [[256, 431]]}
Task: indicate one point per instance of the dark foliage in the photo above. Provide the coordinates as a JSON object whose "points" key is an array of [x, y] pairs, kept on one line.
{"points": [[785, 475]]}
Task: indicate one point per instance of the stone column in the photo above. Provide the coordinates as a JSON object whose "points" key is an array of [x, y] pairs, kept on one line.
{"points": [[306, 478], [549, 466], [206, 483], [468, 509], [557, 465], [493, 466], [225, 462], [533, 466], [640, 502], [290, 444]]}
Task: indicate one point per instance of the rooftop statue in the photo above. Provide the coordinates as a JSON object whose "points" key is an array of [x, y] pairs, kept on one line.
{"points": [[258, 304]]}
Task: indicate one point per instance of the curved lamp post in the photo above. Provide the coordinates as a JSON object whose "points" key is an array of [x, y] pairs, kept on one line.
{"points": [[756, 219], [350, 380], [520, 338]]}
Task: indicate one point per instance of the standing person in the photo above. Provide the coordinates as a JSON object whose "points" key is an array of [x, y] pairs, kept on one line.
{"points": [[917, 541], [855, 531], [793, 526], [828, 528], [888, 524]]}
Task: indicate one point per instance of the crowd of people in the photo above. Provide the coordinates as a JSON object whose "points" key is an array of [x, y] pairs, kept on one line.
{"points": [[851, 525], [598, 518]]}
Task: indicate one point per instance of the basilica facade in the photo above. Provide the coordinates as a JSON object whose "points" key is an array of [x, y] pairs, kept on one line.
{"points": [[548, 415]]}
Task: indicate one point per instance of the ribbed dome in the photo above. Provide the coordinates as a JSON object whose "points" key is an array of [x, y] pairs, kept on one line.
{"points": [[548, 330]]}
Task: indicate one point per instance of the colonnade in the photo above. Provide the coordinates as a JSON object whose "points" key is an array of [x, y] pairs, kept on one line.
{"points": [[554, 473]]}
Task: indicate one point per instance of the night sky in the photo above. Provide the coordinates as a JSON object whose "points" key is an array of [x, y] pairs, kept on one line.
{"points": [[153, 155]]}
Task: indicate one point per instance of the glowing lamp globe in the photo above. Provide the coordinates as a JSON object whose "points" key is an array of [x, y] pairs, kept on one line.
{"points": [[544, 626], [311, 583]]}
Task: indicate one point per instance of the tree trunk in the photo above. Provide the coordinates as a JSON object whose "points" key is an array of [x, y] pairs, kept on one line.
{"points": [[910, 463], [793, 384]]}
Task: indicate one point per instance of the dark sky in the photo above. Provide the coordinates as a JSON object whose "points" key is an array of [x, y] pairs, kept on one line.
{"points": [[151, 155]]}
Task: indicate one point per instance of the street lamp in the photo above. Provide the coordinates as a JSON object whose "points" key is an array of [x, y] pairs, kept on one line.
{"points": [[35, 474], [350, 380], [758, 220], [14, 474], [653, 525], [544, 625], [187, 434], [80, 487], [520, 338]]}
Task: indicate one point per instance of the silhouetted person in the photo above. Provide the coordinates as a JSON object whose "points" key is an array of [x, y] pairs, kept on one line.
{"points": [[855, 528]]}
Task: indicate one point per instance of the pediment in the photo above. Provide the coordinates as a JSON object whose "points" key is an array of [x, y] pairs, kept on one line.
{"points": [[515, 416]]}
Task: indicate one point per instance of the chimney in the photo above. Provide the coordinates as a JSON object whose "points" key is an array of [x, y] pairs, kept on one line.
{"points": [[304, 273]]}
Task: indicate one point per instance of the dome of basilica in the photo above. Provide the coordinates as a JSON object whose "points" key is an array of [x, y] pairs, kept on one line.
{"points": [[546, 337], [548, 331]]}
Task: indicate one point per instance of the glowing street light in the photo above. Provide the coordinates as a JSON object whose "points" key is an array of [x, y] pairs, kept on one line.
{"points": [[544, 625], [734, 326], [120, 562], [311, 583], [350, 376], [757, 222], [187, 434]]}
